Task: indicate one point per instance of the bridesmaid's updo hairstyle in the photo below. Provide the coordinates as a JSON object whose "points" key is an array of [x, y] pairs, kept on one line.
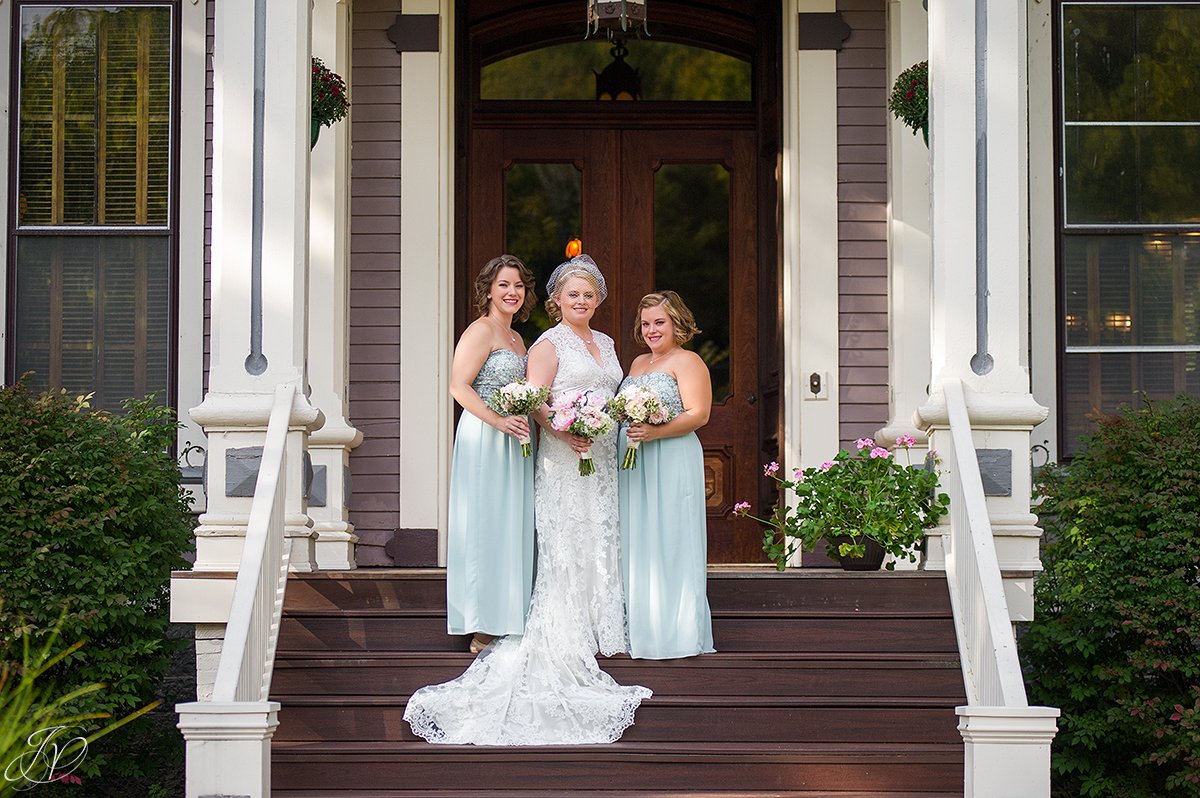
{"points": [[681, 316], [552, 306], [487, 276]]}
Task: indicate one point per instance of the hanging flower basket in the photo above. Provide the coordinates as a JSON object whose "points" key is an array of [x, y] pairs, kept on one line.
{"points": [[909, 101], [329, 100]]}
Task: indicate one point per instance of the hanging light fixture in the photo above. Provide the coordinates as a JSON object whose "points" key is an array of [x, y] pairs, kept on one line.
{"points": [[618, 81], [616, 17]]}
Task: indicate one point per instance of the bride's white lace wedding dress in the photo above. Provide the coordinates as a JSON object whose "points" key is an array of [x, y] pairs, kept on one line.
{"points": [[545, 688]]}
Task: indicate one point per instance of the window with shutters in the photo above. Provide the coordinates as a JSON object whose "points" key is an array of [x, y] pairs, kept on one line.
{"points": [[1129, 206], [92, 242]]}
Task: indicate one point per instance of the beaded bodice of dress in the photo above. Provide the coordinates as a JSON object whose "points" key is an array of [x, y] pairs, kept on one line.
{"points": [[501, 367], [577, 369], [664, 386]]}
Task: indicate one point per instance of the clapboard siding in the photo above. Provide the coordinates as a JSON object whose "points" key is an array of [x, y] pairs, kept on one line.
{"points": [[862, 220], [375, 279]]}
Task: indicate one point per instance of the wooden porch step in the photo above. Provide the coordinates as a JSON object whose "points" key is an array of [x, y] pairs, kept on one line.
{"points": [[748, 590], [733, 632], [524, 793], [626, 768], [808, 719], [747, 674]]}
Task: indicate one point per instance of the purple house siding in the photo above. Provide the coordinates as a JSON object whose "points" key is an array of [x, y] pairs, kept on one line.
{"points": [[375, 279], [862, 220]]}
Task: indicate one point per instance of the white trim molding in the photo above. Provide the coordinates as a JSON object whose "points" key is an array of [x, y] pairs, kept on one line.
{"points": [[6, 22], [426, 276], [193, 65], [810, 244]]}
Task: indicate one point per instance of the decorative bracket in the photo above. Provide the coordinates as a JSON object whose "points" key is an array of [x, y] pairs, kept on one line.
{"points": [[822, 31], [415, 33]]}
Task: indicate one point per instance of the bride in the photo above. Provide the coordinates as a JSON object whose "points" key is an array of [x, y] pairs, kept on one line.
{"points": [[545, 688]]}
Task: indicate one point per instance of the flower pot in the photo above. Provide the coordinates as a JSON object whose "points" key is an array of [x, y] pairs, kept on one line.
{"points": [[871, 561], [316, 131]]}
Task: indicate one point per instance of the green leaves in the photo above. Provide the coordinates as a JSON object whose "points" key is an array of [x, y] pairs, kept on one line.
{"points": [[1116, 642], [94, 524], [864, 495]]}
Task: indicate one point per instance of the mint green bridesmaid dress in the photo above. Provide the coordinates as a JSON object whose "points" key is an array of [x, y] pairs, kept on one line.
{"points": [[664, 539], [489, 557]]}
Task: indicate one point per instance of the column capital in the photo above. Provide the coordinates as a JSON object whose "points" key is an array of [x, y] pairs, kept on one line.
{"points": [[236, 411], [993, 410]]}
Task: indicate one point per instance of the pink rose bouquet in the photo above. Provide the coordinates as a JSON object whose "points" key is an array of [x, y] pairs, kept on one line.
{"points": [[581, 414]]}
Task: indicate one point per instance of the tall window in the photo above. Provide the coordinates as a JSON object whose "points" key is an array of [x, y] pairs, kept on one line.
{"points": [[92, 246], [1129, 260]]}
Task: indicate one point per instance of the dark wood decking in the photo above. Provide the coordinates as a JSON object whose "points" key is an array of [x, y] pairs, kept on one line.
{"points": [[825, 684]]}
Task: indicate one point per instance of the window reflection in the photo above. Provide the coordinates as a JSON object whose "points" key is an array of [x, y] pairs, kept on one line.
{"points": [[691, 255], [542, 211], [1131, 322], [669, 71]]}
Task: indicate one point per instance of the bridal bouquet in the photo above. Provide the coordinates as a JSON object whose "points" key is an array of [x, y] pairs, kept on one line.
{"points": [[519, 399], [638, 405], [581, 414]]}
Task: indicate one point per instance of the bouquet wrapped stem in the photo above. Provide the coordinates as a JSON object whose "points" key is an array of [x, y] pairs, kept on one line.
{"points": [[519, 399], [637, 405], [581, 414]]}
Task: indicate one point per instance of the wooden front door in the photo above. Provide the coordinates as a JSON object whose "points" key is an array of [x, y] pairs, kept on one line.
{"points": [[657, 209]]}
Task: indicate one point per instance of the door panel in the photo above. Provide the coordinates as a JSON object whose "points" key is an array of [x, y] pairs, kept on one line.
{"points": [[658, 209], [724, 295]]}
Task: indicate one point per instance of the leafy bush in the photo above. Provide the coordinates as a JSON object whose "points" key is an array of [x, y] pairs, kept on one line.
{"points": [[33, 720], [1116, 640], [95, 524]]}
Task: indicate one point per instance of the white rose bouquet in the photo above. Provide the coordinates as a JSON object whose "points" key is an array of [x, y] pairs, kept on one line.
{"points": [[638, 405], [519, 399]]}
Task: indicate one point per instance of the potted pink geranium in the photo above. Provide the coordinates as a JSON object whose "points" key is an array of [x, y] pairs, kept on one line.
{"points": [[857, 504]]}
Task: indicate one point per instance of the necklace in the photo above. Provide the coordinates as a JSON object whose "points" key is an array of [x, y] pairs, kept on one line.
{"points": [[512, 337], [654, 359]]}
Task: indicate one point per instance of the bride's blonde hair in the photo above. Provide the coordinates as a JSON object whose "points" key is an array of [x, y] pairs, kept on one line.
{"points": [[552, 306]]}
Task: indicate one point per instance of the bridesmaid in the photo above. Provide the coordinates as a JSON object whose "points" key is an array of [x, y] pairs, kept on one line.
{"points": [[664, 535], [489, 562]]}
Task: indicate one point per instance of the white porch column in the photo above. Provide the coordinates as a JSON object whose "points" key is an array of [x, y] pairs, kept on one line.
{"points": [[1007, 751], [979, 148], [261, 76], [228, 747], [909, 255], [328, 313]]}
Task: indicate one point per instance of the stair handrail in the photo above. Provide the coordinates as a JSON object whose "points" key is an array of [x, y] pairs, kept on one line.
{"points": [[248, 652], [991, 668]]}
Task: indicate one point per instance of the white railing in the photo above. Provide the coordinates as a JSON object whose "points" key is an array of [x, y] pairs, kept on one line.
{"points": [[991, 669], [248, 653], [1006, 741]]}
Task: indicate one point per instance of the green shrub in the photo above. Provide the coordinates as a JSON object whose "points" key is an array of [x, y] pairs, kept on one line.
{"points": [[1116, 640], [94, 523], [39, 740]]}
